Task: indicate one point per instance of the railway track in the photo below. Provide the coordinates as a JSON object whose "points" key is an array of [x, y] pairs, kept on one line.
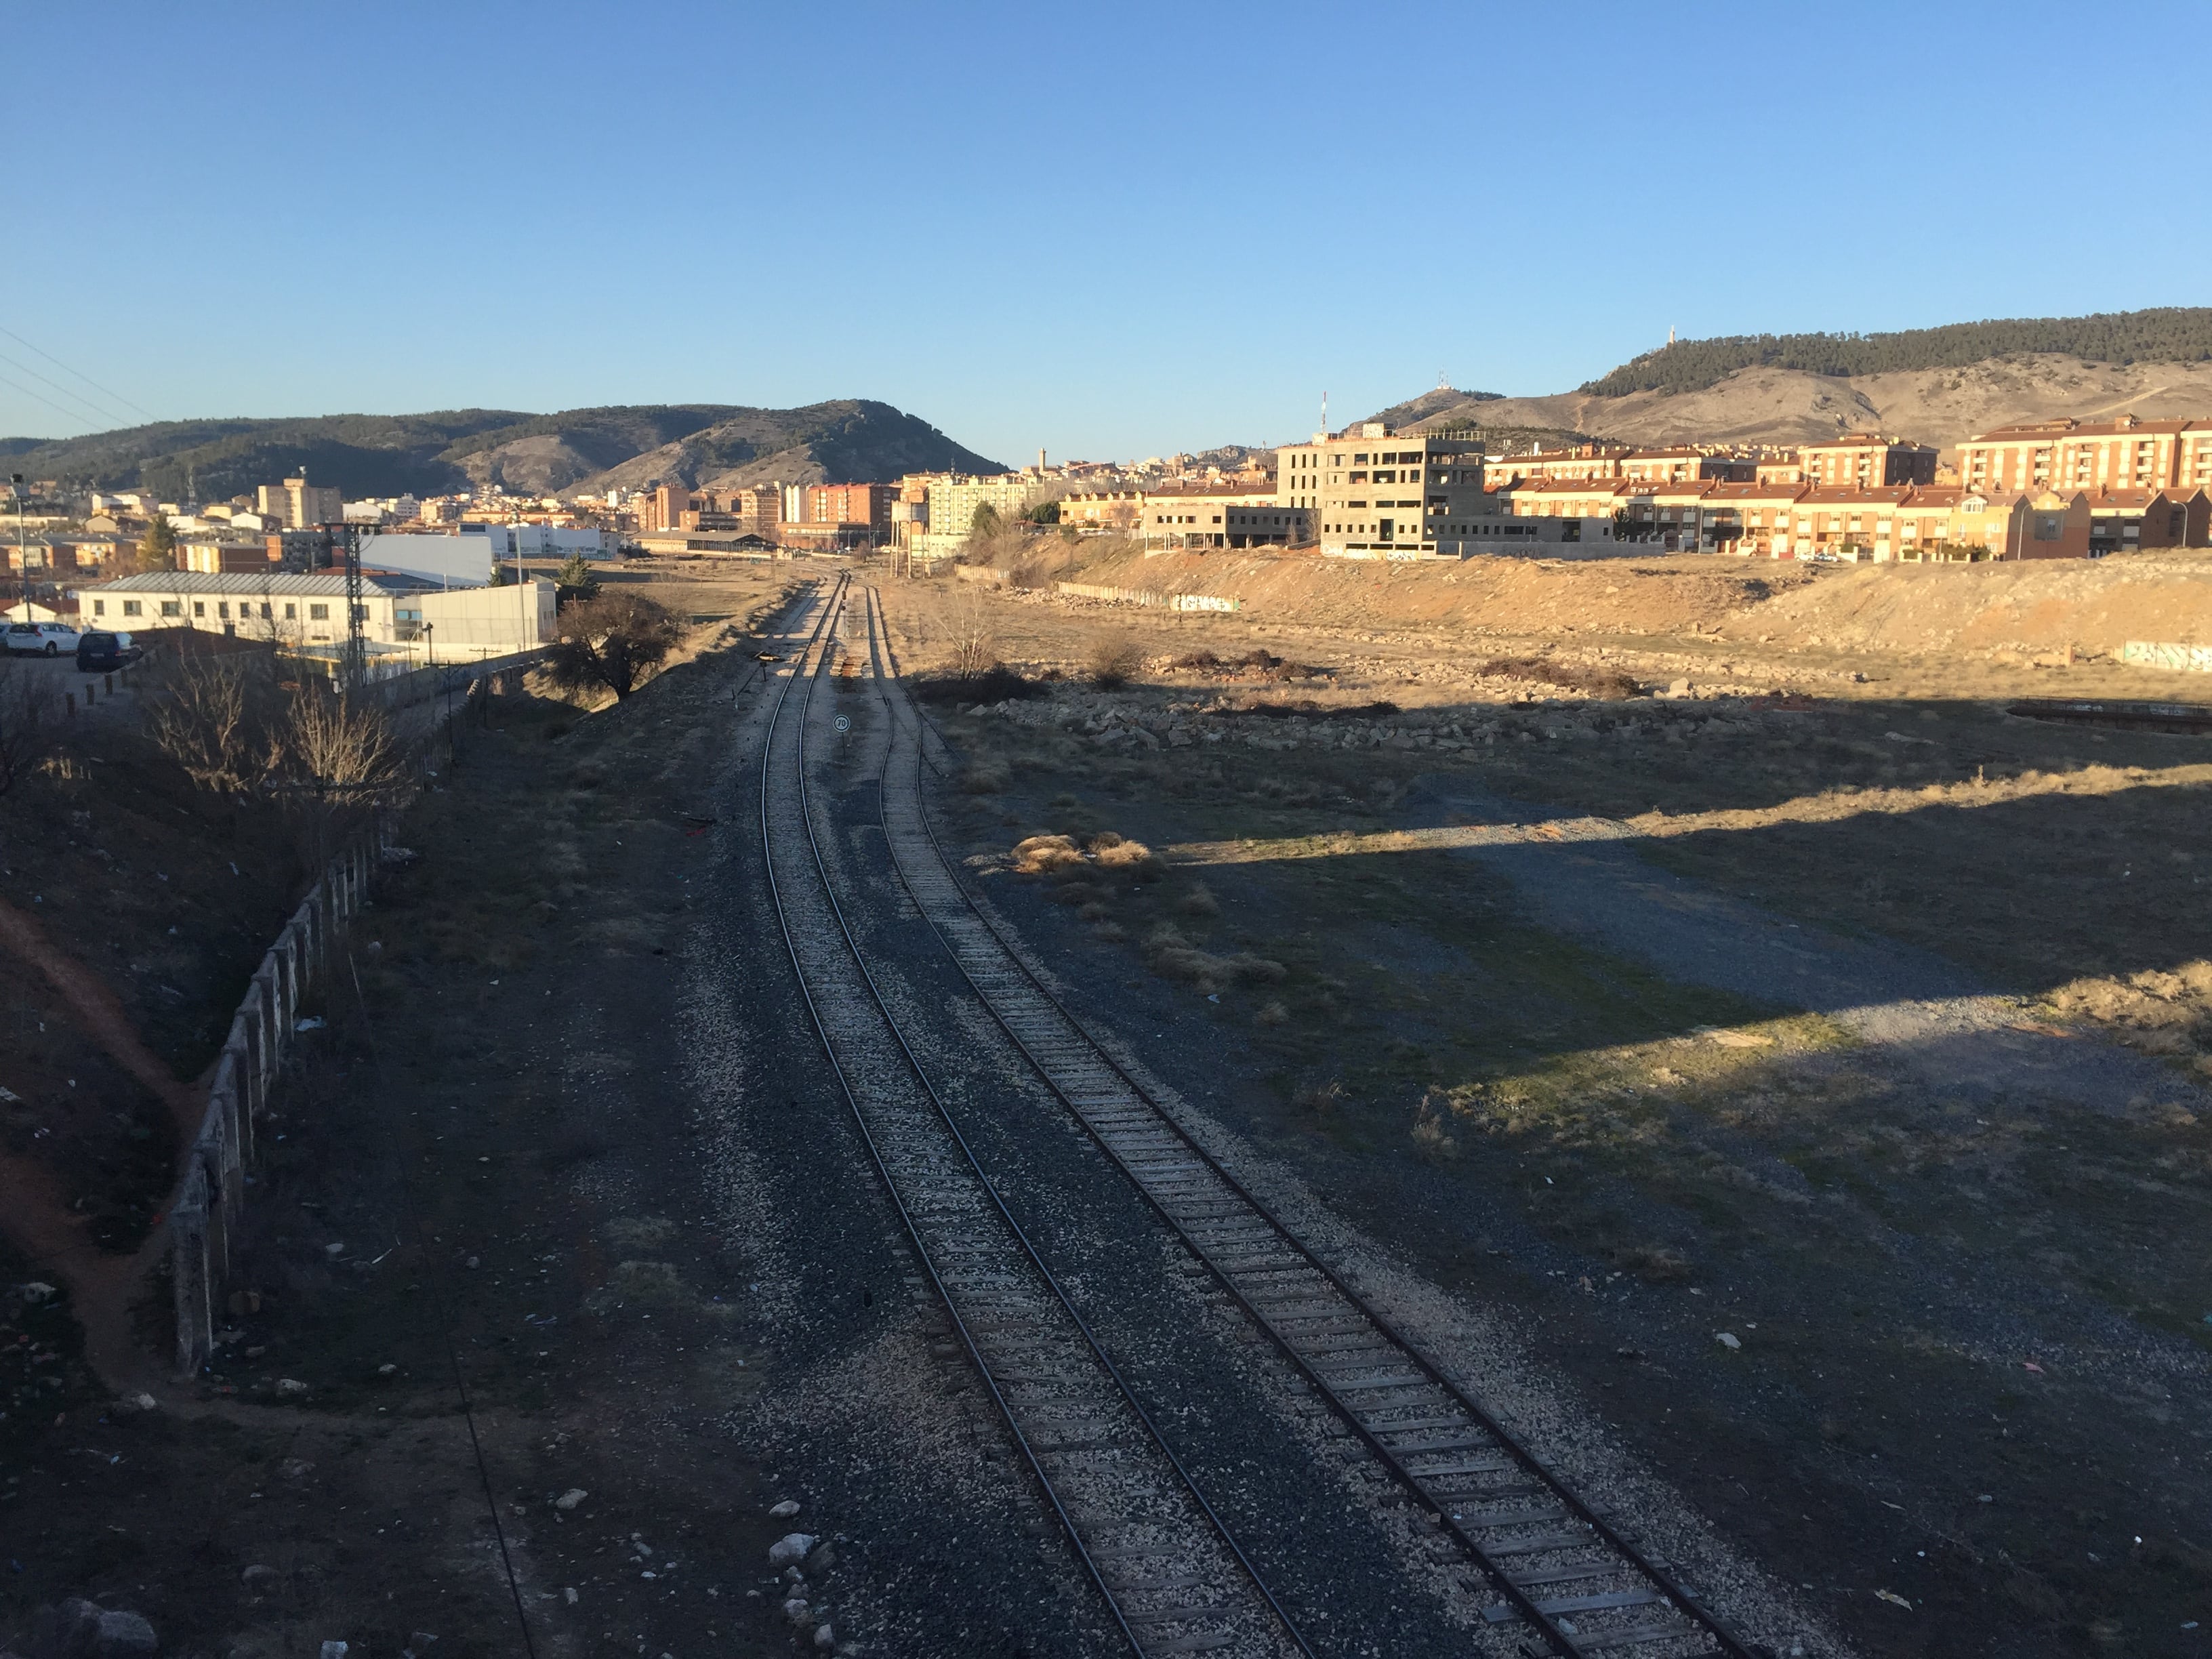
{"points": [[1173, 1577], [1575, 1582]]}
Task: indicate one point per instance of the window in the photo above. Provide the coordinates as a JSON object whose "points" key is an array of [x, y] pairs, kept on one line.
{"points": [[319, 613], [223, 609], [99, 607], [171, 608], [290, 611], [264, 609], [129, 607], [199, 607]]}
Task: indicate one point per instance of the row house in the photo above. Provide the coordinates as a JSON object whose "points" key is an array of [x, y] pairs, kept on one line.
{"points": [[2127, 453], [2128, 521]]}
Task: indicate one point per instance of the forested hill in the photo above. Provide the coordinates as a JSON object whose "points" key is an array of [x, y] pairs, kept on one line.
{"points": [[2169, 334], [850, 441]]}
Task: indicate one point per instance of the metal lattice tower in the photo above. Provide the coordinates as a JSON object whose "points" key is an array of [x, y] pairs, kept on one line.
{"points": [[353, 669]]}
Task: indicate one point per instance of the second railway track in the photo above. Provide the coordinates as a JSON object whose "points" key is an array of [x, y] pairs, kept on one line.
{"points": [[1561, 1569]]}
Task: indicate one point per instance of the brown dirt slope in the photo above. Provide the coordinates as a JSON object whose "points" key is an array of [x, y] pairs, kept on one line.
{"points": [[2095, 607]]}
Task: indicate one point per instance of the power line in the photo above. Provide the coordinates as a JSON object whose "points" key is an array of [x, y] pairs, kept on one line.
{"points": [[80, 374], [48, 401], [74, 396]]}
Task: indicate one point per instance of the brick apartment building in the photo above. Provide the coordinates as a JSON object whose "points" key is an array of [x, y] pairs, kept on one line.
{"points": [[2128, 454], [1865, 461]]}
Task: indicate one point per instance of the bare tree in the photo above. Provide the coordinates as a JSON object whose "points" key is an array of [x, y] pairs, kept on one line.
{"points": [[209, 716], [27, 721], [338, 760]]}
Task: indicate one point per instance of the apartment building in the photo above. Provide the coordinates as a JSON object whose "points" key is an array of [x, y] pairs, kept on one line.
{"points": [[1379, 494], [1194, 516], [214, 557], [1865, 461], [866, 505], [939, 508], [1681, 465], [295, 503], [1102, 512], [2128, 454], [1580, 461]]}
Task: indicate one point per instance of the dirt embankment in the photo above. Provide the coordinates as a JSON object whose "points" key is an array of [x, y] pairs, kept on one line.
{"points": [[2095, 607]]}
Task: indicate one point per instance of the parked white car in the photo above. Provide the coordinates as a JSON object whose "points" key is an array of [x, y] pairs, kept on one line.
{"points": [[29, 639]]}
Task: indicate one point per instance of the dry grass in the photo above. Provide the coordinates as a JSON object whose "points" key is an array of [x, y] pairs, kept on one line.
{"points": [[1172, 955], [2160, 1011]]}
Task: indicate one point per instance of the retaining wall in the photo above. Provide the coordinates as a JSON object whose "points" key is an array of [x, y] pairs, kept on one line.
{"points": [[1146, 596], [2193, 658]]}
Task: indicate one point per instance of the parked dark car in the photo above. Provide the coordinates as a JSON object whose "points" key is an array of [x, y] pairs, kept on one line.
{"points": [[97, 652]]}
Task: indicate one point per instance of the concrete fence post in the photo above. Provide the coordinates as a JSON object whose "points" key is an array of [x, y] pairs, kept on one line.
{"points": [[189, 1272], [279, 965]]}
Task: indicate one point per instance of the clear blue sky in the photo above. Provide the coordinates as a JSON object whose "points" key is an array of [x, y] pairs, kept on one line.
{"points": [[1106, 229]]}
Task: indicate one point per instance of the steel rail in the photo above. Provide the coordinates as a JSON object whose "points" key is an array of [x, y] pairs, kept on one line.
{"points": [[1570, 1641], [824, 631]]}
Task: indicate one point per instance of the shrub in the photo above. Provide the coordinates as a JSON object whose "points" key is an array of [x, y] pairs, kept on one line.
{"points": [[1129, 858], [1605, 684], [1114, 662], [1199, 902]]}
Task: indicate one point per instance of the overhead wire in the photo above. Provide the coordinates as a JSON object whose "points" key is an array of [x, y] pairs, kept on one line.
{"points": [[105, 414], [80, 374], [49, 403]]}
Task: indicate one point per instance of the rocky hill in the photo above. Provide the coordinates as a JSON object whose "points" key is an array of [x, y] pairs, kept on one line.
{"points": [[850, 441], [1937, 406]]}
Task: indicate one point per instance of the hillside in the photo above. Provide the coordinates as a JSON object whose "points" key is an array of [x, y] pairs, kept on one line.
{"points": [[847, 440], [1937, 385], [1939, 406]]}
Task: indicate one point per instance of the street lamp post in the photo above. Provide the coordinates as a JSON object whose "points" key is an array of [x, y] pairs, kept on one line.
{"points": [[23, 541]]}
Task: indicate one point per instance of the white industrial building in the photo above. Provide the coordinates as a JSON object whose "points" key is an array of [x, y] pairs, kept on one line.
{"points": [[406, 615]]}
